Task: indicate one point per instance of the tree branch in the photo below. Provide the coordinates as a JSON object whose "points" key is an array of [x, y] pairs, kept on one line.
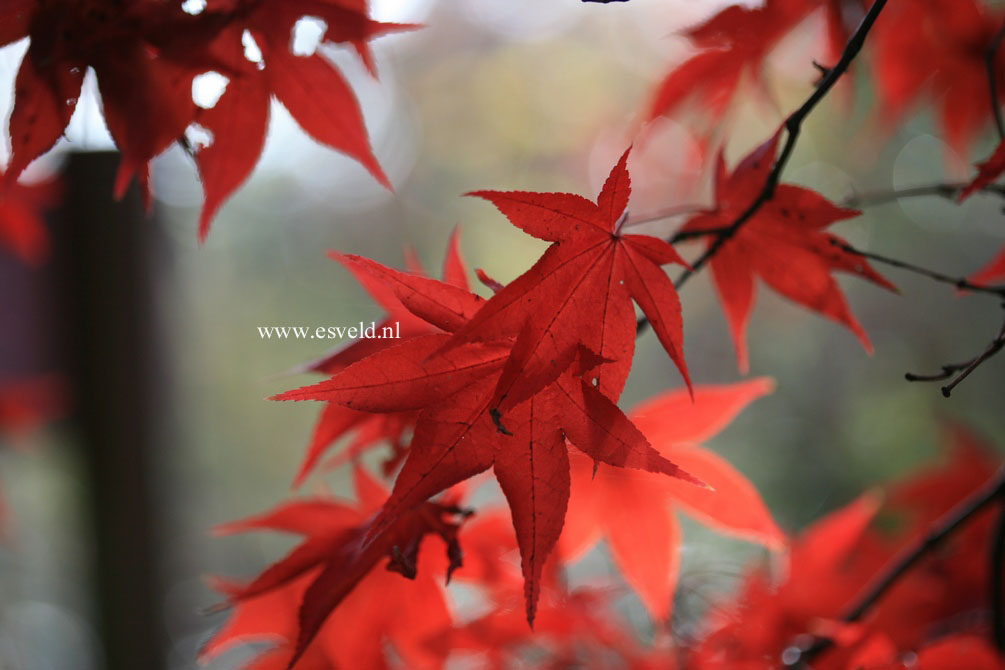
{"points": [[964, 369], [959, 282], [905, 560], [949, 191]]}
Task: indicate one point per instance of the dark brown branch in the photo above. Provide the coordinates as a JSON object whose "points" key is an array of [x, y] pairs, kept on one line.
{"points": [[685, 235], [959, 282], [964, 369], [905, 560], [989, 65]]}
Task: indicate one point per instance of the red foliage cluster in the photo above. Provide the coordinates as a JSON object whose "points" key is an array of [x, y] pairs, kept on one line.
{"points": [[527, 382], [146, 55], [935, 617]]}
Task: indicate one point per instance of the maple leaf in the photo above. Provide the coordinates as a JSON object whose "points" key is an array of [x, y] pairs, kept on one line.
{"points": [[146, 58], [21, 227], [838, 557], [310, 88], [370, 430], [29, 402], [296, 598], [456, 435], [733, 43], [578, 294], [936, 49], [987, 172], [993, 271], [635, 512], [827, 564], [954, 651], [782, 243]]}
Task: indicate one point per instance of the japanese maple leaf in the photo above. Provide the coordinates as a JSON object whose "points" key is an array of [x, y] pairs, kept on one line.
{"points": [[456, 435], [21, 227], [309, 87], [326, 601], [950, 652], [369, 430], [994, 271], [146, 91], [578, 294], [634, 511], [987, 172], [146, 57], [828, 564], [783, 244], [27, 403], [936, 49], [732, 43]]}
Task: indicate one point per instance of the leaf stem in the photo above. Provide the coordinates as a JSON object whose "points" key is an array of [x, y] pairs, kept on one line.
{"points": [[666, 213]]}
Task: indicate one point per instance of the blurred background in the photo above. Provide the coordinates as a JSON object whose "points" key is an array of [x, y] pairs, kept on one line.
{"points": [[514, 95]]}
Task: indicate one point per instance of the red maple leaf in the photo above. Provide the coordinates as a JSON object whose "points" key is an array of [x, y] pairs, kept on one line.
{"points": [[635, 512], [21, 227], [987, 172], [733, 43], [146, 57], [783, 244], [578, 294], [370, 430], [952, 652], [936, 49], [456, 435], [295, 599], [27, 403], [309, 87], [827, 565], [839, 556], [993, 271]]}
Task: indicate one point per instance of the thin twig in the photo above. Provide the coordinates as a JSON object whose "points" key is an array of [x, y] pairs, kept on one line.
{"points": [[949, 191], [959, 282], [996, 345], [989, 66], [685, 235], [905, 560]]}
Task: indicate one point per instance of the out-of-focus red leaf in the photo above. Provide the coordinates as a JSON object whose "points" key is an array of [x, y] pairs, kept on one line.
{"points": [[783, 244]]}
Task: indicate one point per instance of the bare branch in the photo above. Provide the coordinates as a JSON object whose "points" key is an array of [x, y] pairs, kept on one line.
{"points": [[959, 282], [964, 369], [949, 191]]}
